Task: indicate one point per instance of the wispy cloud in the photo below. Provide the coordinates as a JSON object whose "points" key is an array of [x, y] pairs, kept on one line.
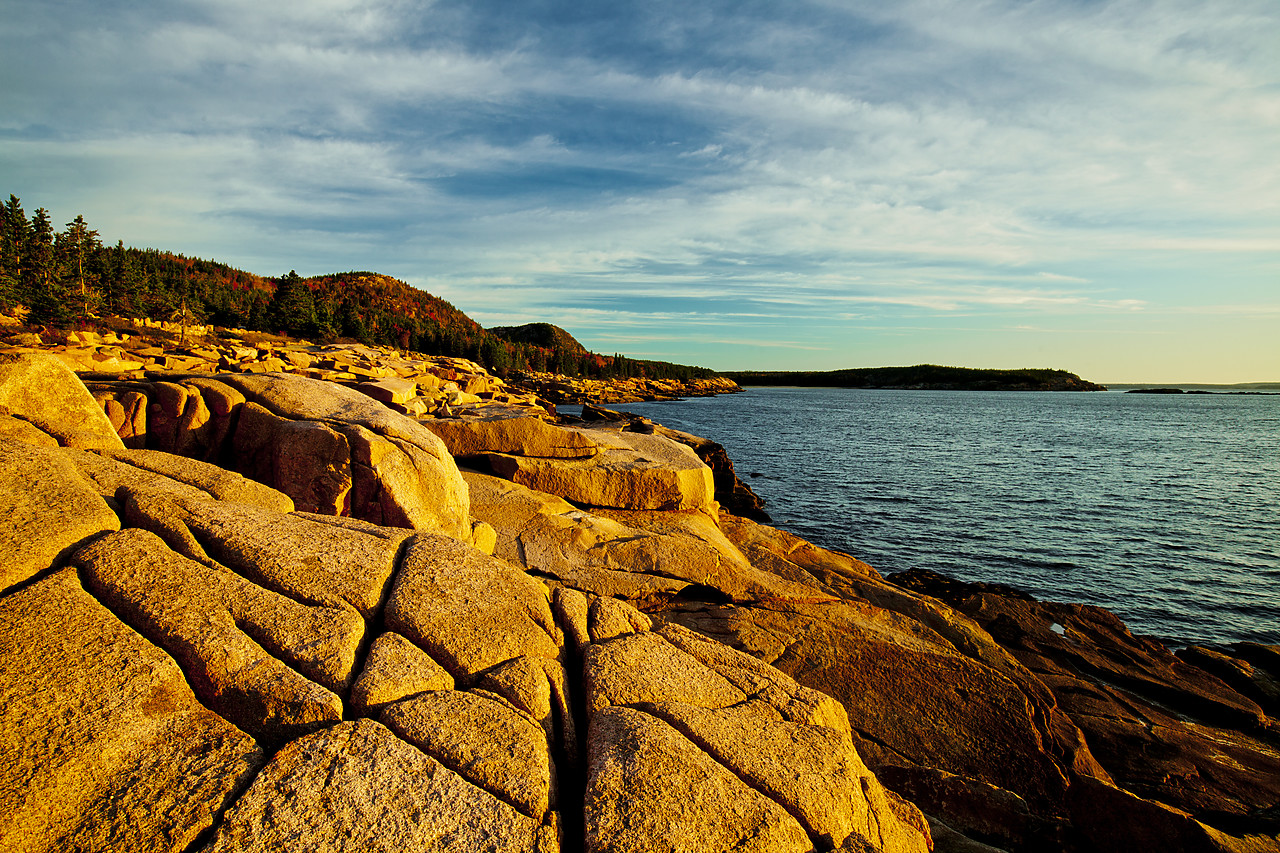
{"points": [[602, 165]]}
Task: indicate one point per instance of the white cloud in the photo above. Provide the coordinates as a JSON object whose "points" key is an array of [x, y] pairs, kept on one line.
{"points": [[1030, 158]]}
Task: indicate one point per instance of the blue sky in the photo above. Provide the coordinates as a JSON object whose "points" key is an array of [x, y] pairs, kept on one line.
{"points": [[811, 184]]}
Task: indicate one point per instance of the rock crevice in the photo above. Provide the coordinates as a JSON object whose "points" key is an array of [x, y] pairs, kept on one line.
{"points": [[198, 661]]}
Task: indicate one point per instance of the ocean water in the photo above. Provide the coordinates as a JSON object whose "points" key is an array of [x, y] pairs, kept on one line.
{"points": [[1163, 509]]}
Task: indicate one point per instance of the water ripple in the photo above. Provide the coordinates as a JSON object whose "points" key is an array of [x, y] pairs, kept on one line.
{"points": [[1163, 509]]}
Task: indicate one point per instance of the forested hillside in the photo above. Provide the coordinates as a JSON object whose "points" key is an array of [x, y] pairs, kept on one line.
{"points": [[923, 376], [69, 277]]}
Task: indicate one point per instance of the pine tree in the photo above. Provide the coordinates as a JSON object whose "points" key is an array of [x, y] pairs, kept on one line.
{"points": [[14, 230], [122, 281], [77, 250], [40, 287], [293, 308]]}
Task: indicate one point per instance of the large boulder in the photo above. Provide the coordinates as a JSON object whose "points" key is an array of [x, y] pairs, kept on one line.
{"points": [[629, 471], [44, 391], [512, 432], [307, 460], [332, 449], [732, 493], [398, 466]]}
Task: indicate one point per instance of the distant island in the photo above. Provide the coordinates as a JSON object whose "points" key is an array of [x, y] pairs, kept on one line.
{"points": [[1203, 391], [930, 377]]}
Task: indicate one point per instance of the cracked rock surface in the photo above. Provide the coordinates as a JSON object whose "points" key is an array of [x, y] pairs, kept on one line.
{"points": [[288, 639], [195, 660]]}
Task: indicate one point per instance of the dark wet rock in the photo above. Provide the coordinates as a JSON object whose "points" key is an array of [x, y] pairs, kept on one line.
{"points": [[1254, 675], [1164, 730]]}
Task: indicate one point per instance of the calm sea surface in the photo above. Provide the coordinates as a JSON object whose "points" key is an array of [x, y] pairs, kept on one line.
{"points": [[1163, 509]]}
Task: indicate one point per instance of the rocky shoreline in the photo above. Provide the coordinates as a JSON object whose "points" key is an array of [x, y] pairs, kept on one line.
{"points": [[124, 355], [565, 389], [348, 598]]}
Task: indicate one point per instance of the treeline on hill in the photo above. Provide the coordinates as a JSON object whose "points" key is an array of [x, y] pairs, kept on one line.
{"points": [[923, 376], [69, 277]]}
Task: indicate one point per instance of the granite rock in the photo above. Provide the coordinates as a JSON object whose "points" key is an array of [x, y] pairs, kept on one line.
{"points": [[102, 744], [511, 432], [42, 390], [271, 665], [647, 558], [293, 554], [424, 484], [395, 669], [48, 509], [649, 790], [357, 788], [307, 460], [629, 471], [483, 739], [468, 610]]}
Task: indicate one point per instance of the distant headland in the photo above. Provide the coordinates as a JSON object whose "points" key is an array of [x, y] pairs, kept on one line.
{"points": [[931, 377], [1244, 388]]}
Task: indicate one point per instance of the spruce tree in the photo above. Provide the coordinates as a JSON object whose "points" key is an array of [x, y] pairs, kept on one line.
{"points": [[14, 230], [77, 250], [41, 288], [293, 308]]}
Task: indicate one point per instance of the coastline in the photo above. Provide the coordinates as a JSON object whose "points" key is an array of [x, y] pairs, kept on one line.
{"points": [[1028, 725]]}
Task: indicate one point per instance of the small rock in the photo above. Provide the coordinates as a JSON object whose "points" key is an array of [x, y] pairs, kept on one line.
{"points": [[648, 788], [468, 610], [485, 741], [394, 670]]}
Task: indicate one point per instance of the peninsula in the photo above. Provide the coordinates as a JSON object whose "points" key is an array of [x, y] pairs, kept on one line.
{"points": [[921, 377]]}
